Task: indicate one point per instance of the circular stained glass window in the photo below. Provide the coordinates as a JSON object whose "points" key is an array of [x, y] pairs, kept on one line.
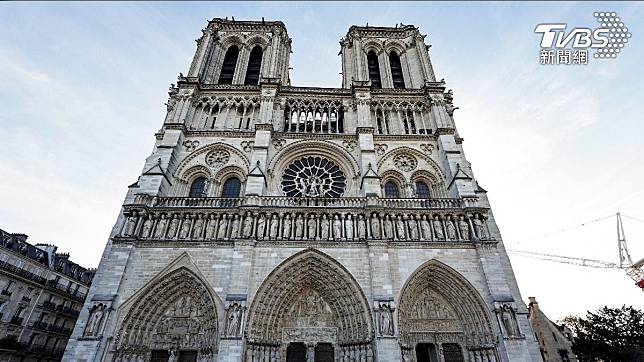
{"points": [[313, 177]]}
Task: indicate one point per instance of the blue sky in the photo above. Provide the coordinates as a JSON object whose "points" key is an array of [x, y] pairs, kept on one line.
{"points": [[84, 86]]}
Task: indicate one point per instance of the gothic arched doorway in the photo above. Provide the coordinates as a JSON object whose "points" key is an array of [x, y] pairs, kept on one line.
{"points": [[174, 318], [309, 300], [443, 318]]}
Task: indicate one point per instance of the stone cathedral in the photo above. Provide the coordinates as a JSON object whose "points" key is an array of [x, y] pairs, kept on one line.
{"points": [[281, 223]]}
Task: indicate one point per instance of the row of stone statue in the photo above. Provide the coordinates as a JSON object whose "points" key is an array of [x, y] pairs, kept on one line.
{"points": [[298, 226], [273, 353]]}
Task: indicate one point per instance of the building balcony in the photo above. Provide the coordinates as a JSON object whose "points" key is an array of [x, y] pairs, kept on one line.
{"points": [[6, 293], [41, 325], [21, 272], [49, 306], [26, 299]]}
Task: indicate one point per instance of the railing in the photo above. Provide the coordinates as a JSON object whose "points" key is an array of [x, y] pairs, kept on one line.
{"points": [[79, 296], [409, 203], [6, 292], [49, 305], [209, 202], [284, 201], [26, 299], [21, 272], [41, 325], [281, 201]]}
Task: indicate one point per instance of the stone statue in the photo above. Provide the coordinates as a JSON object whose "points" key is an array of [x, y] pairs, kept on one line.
{"points": [[196, 230], [349, 227], [375, 226], [426, 228], [386, 320], [412, 223], [261, 226], [438, 228], [234, 317], [286, 229], [400, 226], [185, 228], [324, 227], [388, 227], [130, 225], [450, 229], [479, 227], [172, 356], [174, 225], [211, 227], [337, 227], [274, 227], [159, 233], [509, 321], [223, 227], [248, 225], [93, 325], [147, 227], [464, 228], [312, 226], [234, 228], [299, 227], [362, 228]]}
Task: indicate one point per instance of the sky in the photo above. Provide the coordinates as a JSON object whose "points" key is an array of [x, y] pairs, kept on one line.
{"points": [[83, 88]]}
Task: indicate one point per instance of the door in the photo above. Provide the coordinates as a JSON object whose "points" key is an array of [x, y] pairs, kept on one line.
{"points": [[324, 352], [426, 352], [296, 352], [160, 356], [187, 356], [452, 352]]}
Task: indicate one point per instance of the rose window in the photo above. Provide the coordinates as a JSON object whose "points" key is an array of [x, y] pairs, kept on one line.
{"points": [[313, 177], [405, 162], [217, 158]]}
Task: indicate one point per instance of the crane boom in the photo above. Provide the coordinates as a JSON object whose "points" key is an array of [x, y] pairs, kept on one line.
{"points": [[566, 259]]}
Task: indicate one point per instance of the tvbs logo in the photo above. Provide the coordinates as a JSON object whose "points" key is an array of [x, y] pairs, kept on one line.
{"points": [[563, 45], [554, 36]]}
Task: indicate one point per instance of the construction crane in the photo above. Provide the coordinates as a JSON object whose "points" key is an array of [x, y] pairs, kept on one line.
{"points": [[634, 270]]}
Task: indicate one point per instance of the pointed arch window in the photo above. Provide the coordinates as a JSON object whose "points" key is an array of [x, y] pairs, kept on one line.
{"points": [[374, 69], [231, 188], [396, 70], [228, 67], [392, 190], [254, 66], [198, 187]]}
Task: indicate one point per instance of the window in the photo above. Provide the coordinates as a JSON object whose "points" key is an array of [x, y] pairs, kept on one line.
{"points": [[254, 66], [374, 70], [231, 188], [391, 190], [396, 70], [422, 190], [198, 187], [228, 67]]}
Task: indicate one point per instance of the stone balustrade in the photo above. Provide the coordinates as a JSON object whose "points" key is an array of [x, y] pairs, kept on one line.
{"points": [[297, 202]]}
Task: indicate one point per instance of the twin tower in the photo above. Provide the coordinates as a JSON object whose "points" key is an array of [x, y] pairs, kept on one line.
{"points": [[299, 224]]}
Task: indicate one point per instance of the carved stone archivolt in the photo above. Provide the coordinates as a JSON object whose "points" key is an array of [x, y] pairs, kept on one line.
{"points": [[174, 312], [438, 305], [309, 298]]}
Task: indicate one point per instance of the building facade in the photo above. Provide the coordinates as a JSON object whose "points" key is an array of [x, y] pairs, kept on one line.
{"points": [[41, 297], [282, 223], [555, 341]]}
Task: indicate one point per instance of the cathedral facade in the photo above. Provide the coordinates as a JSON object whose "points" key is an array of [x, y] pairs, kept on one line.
{"points": [[282, 223]]}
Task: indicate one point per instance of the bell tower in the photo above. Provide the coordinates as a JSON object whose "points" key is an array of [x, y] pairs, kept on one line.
{"points": [[388, 57], [242, 53]]}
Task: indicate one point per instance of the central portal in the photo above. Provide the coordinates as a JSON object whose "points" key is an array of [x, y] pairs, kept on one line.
{"points": [[309, 309]]}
